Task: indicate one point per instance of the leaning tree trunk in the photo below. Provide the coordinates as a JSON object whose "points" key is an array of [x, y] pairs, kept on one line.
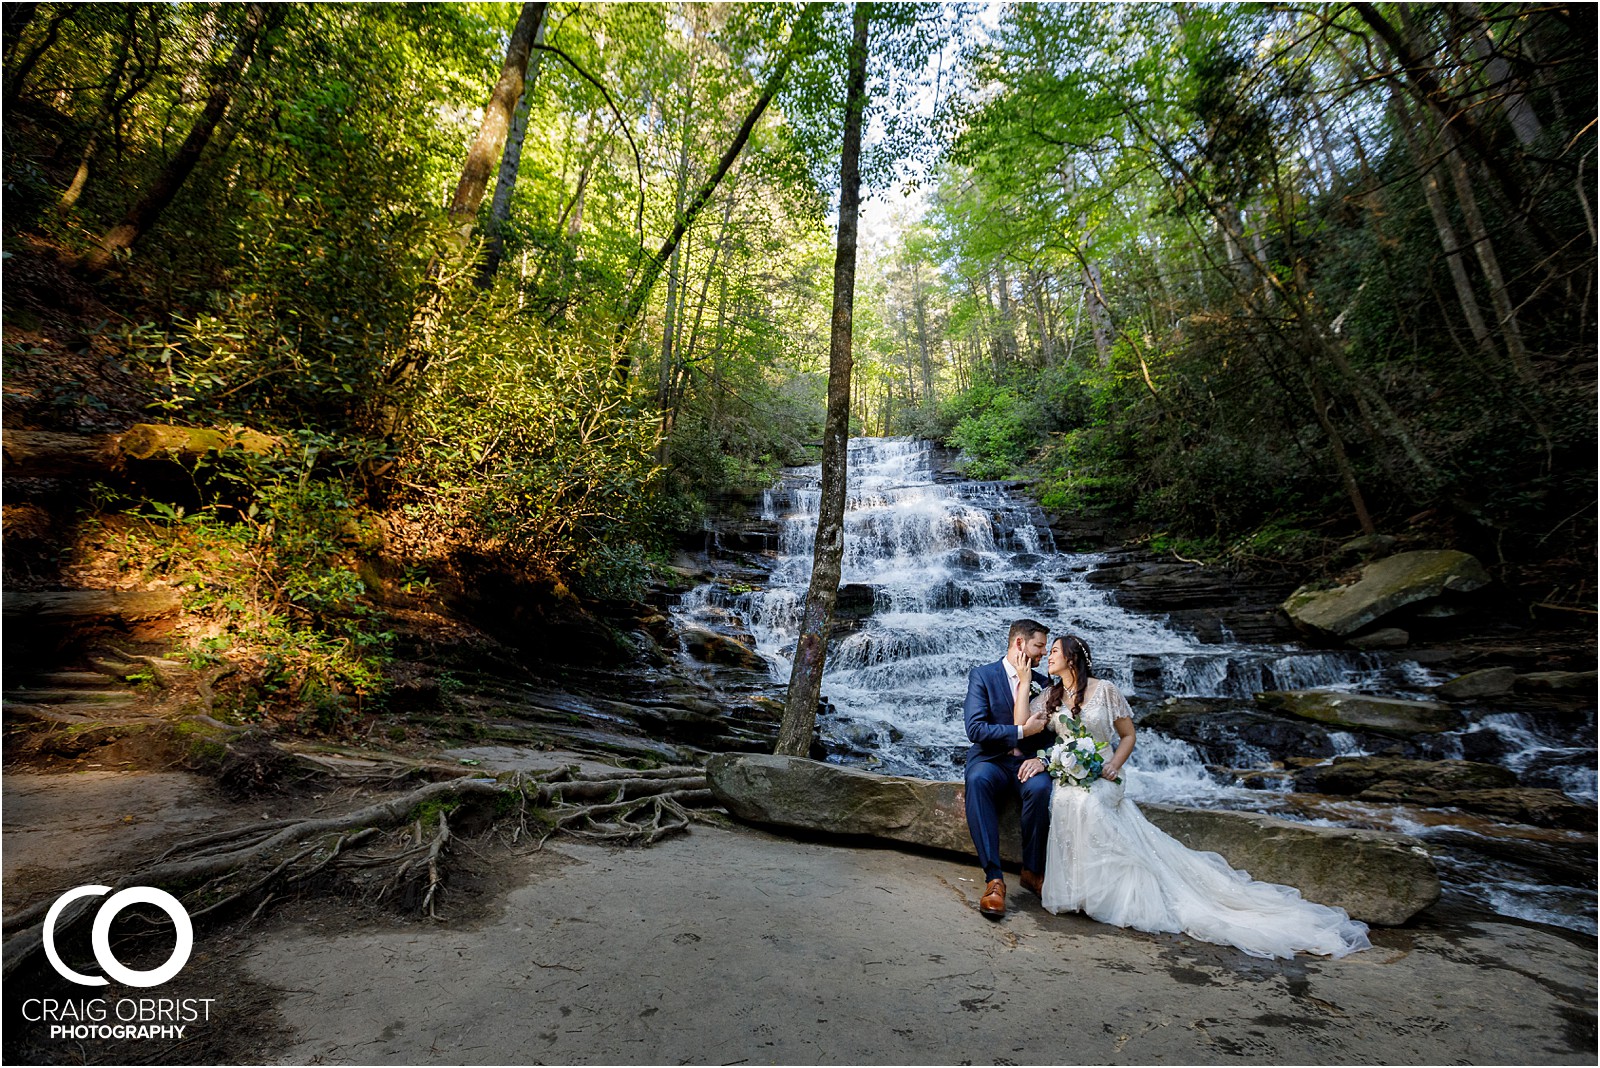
{"points": [[510, 164], [1446, 230], [634, 305], [259, 19], [106, 114], [17, 18], [490, 142], [805, 680], [486, 149]]}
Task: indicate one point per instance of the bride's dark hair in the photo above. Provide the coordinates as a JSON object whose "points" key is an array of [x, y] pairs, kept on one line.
{"points": [[1077, 654]]}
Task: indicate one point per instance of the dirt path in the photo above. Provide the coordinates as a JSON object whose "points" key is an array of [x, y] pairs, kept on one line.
{"points": [[736, 946]]}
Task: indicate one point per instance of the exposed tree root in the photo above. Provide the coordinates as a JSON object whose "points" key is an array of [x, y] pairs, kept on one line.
{"points": [[396, 848]]}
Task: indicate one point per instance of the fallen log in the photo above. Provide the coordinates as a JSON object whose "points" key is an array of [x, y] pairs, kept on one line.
{"points": [[1376, 876], [143, 613], [49, 454]]}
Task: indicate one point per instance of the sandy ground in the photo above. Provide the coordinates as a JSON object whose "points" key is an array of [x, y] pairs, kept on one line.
{"points": [[65, 829], [734, 946], [731, 945]]}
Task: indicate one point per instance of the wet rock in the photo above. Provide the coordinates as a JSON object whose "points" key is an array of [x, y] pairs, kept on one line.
{"points": [[750, 537], [1378, 877], [1218, 728], [1539, 808], [1355, 776], [1557, 682], [1488, 682], [1360, 712], [1385, 585], [1385, 638], [1026, 560], [1213, 604], [965, 560], [710, 647], [855, 601], [1107, 576], [1484, 789], [1148, 673]]}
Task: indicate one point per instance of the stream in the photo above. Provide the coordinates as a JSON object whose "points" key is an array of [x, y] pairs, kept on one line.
{"points": [[935, 570]]}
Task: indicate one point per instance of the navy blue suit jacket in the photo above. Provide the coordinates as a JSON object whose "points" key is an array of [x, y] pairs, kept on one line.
{"points": [[988, 713]]}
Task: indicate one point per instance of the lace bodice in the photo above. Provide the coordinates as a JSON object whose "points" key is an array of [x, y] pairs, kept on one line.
{"points": [[1103, 705]]}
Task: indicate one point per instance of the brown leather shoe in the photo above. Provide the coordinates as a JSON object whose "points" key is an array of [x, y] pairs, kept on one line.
{"points": [[993, 901], [1032, 881]]}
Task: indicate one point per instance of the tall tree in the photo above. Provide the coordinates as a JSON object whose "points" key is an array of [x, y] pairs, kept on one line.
{"points": [[490, 142], [805, 678], [799, 40], [511, 162], [259, 20], [486, 148]]}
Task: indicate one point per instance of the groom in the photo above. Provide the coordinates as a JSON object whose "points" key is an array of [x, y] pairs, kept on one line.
{"points": [[995, 763]]}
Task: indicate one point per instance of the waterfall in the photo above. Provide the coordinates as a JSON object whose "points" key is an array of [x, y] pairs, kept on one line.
{"points": [[935, 570], [934, 573]]}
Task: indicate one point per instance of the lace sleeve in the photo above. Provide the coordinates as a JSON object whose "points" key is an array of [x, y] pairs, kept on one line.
{"points": [[1117, 705]]}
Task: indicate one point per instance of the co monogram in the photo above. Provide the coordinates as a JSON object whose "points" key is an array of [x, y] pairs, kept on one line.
{"points": [[100, 936]]}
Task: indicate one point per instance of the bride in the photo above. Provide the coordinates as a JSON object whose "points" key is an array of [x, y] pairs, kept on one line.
{"points": [[1105, 859]]}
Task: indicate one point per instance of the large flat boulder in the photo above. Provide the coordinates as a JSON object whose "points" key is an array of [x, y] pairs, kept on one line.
{"points": [[1360, 712], [1376, 876], [1385, 585]]}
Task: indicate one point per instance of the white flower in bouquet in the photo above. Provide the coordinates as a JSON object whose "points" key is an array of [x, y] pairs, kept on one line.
{"points": [[1077, 759]]}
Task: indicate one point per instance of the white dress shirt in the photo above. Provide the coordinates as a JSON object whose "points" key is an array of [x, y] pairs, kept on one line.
{"points": [[1011, 673]]}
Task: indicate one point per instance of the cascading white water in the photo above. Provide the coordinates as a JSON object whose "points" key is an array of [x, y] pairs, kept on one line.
{"points": [[946, 568], [934, 573]]}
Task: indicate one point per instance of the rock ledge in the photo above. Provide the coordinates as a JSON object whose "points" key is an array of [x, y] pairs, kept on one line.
{"points": [[1376, 876]]}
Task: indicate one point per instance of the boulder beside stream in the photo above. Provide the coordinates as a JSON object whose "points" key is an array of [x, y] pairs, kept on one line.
{"points": [[1379, 877], [1385, 585], [1360, 712]]}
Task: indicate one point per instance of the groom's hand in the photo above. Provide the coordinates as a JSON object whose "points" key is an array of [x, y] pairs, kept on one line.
{"points": [[1034, 724], [1030, 767]]}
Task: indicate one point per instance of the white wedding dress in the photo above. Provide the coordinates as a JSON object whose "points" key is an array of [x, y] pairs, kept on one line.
{"points": [[1109, 862]]}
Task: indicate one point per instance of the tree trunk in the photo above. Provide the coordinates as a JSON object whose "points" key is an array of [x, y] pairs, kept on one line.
{"points": [[1419, 75], [1524, 120], [490, 142], [510, 163], [805, 680], [1499, 297], [17, 18], [1008, 322], [486, 147], [623, 365], [1341, 459], [1447, 233], [106, 113], [677, 268], [260, 18], [920, 305], [1099, 314]]}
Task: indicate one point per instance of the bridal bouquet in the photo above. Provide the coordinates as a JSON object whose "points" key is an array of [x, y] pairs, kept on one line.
{"points": [[1077, 759]]}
